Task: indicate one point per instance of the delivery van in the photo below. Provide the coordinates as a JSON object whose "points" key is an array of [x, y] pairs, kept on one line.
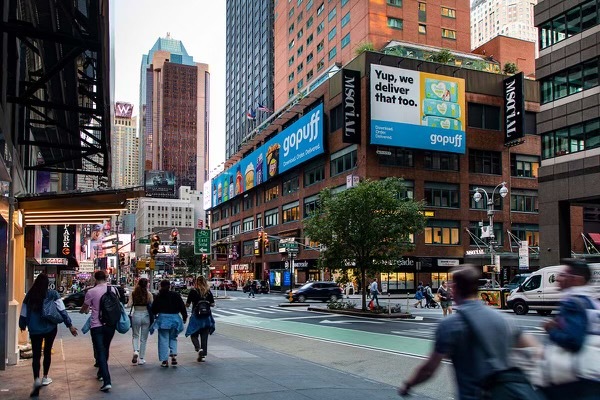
{"points": [[540, 291]]}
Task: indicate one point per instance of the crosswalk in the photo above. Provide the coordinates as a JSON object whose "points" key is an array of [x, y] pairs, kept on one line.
{"points": [[254, 311], [427, 332]]}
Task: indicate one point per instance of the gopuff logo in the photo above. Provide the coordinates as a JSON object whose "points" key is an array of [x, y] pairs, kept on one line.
{"points": [[455, 141], [308, 132]]}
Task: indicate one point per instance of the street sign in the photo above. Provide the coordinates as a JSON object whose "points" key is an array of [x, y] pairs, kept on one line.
{"points": [[117, 242], [144, 241], [288, 245], [201, 241]]}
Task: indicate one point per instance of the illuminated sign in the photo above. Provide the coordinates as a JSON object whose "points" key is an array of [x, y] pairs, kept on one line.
{"points": [[160, 184], [123, 110]]}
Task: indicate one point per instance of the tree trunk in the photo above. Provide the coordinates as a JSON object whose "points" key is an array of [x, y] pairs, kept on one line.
{"points": [[363, 276]]}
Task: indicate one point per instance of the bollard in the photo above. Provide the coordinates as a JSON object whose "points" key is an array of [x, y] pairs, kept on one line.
{"points": [[407, 300], [389, 304]]}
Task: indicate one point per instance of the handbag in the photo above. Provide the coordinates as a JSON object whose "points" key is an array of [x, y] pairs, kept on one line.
{"points": [[124, 323], [437, 298], [50, 311]]}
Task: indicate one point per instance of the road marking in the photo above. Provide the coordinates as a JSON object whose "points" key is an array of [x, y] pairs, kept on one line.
{"points": [[326, 321], [226, 312], [245, 311], [418, 333], [264, 310], [307, 317]]}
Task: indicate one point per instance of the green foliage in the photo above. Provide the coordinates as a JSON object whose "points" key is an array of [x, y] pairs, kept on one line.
{"points": [[364, 46], [367, 227], [443, 56], [341, 305], [186, 253], [510, 68]]}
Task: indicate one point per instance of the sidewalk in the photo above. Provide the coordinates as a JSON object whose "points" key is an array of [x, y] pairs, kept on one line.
{"points": [[233, 370]]}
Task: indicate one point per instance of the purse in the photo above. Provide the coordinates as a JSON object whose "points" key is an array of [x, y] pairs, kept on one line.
{"points": [[124, 323], [50, 311]]}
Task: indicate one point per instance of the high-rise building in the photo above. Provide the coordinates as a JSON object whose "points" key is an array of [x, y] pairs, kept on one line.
{"points": [[569, 126], [174, 109], [125, 157], [250, 68], [512, 18]]}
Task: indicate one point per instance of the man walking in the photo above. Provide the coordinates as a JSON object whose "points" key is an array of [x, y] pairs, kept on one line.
{"points": [[374, 291], [102, 334], [477, 340]]}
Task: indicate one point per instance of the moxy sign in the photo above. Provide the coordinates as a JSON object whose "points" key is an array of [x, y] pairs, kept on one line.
{"points": [[351, 104]]}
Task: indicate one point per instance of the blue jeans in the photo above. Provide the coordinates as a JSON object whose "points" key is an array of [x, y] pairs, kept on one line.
{"points": [[375, 298], [101, 338], [167, 343], [139, 331]]}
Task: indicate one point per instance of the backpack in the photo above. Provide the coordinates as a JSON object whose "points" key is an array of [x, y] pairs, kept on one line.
{"points": [[202, 308], [110, 308], [50, 310]]}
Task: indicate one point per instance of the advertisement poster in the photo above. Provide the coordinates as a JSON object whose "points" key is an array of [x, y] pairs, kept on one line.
{"points": [[514, 109], [300, 142], [160, 184], [490, 297], [417, 110]]}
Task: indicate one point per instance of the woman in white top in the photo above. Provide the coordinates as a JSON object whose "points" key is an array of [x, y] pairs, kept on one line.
{"points": [[140, 299]]}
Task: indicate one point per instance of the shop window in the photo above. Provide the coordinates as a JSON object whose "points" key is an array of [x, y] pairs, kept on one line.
{"points": [[397, 281], [291, 212]]}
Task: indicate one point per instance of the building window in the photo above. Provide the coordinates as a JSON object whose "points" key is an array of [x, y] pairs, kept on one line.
{"points": [[291, 77], [309, 57], [448, 33], [216, 216], [475, 230], [441, 161], [344, 162], [422, 29], [248, 224], [332, 53], [224, 231], [575, 20], [524, 166], [395, 3], [235, 208], [300, 67], [524, 200], [309, 40], [485, 162], [236, 228], [346, 40], [442, 195], [422, 12], [336, 118], [300, 15], [271, 193], [332, 14], [482, 203], [215, 235], [247, 202], [309, 75], [309, 5], [320, 9], [259, 221], [300, 33], [291, 61], [291, 212], [346, 19], [310, 22], [332, 33], [395, 156], [527, 232], [291, 29], [321, 64], [320, 46], [448, 12], [311, 204], [344, 2], [300, 84], [483, 116], [225, 212], [272, 217], [290, 185], [300, 50], [571, 139], [314, 174], [291, 45], [573, 80], [395, 23], [442, 232], [320, 27]]}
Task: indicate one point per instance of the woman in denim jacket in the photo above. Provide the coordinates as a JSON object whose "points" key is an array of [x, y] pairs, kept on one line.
{"points": [[168, 305]]}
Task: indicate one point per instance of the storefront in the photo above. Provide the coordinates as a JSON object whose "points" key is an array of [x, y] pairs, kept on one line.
{"points": [[412, 270], [240, 273]]}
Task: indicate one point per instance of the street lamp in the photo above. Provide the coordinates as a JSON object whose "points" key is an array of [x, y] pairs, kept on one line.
{"points": [[490, 212]]}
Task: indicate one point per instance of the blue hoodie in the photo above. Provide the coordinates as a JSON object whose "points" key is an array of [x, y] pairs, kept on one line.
{"points": [[35, 322]]}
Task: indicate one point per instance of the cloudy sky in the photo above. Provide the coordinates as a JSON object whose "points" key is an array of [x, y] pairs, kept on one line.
{"points": [[199, 24]]}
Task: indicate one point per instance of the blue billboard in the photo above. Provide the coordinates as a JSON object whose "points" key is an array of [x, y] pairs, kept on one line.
{"points": [[300, 142]]}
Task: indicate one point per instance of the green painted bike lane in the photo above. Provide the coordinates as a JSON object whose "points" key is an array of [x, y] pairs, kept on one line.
{"points": [[378, 341]]}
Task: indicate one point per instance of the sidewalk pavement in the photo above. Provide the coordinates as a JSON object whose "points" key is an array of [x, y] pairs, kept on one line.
{"points": [[234, 369]]}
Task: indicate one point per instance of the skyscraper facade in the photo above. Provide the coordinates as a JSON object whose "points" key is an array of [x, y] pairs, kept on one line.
{"points": [[512, 18], [125, 151], [174, 109], [249, 70]]}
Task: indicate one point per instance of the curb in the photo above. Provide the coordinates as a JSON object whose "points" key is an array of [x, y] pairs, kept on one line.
{"points": [[294, 305], [357, 313]]}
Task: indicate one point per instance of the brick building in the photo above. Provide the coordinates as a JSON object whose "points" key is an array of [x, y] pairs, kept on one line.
{"points": [[506, 49]]}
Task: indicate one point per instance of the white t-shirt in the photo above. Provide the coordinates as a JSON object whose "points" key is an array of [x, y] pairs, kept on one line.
{"points": [[374, 287]]}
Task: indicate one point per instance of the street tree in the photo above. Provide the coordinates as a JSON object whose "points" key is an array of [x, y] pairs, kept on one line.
{"points": [[368, 227]]}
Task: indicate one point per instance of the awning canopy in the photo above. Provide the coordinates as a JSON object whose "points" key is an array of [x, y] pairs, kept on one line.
{"points": [[595, 238]]}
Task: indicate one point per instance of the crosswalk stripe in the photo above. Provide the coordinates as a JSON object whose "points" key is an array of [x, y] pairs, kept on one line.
{"points": [[244, 311], [224, 311], [266, 310]]}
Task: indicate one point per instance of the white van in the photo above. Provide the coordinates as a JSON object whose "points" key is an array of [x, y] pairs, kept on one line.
{"points": [[540, 291]]}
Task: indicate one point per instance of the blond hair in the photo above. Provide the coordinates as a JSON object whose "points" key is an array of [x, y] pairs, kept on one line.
{"points": [[202, 285]]}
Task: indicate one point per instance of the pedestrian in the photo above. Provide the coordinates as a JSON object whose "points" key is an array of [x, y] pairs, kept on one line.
{"points": [[429, 302], [42, 329], [139, 301], [168, 305], [576, 329], [202, 322], [478, 340], [252, 288], [374, 291], [102, 333], [121, 291], [445, 298], [419, 295]]}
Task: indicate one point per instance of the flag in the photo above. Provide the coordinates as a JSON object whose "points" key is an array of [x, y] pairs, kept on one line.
{"points": [[251, 114], [263, 108]]}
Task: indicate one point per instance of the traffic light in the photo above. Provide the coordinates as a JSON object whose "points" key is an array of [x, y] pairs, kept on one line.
{"points": [[154, 244], [174, 236], [265, 239], [121, 259]]}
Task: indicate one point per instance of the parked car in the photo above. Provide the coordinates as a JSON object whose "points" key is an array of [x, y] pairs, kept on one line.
{"points": [[74, 300], [228, 284], [216, 282], [259, 287], [324, 291], [178, 285]]}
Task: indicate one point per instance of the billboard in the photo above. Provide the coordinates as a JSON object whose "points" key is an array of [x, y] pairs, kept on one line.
{"points": [[351, 103], [514, 109], [160, 184], [300, 142], [123, 110], [417, 109]]}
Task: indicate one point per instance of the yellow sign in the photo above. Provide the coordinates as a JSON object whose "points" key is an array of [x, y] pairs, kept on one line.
{"points": [[430, 214], [141, 264], [152, 264]]}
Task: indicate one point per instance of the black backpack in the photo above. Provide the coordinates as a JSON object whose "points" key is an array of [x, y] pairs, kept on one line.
{"points": [[110, 308], [202, 308]]}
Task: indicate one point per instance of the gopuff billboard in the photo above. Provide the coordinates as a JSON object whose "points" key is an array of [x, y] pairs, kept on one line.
{"points": [[417, 110], [296, 144]]}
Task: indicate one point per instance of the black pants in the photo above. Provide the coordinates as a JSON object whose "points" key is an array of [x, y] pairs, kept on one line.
{"points": [[101, 338], [36, 348], [203, 344]]}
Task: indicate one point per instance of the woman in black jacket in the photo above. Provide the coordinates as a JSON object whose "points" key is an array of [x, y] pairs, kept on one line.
{"points": [[202, 322], [168, 305]]}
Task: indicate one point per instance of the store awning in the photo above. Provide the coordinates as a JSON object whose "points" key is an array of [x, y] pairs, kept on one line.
{"points": [[595, 238]]}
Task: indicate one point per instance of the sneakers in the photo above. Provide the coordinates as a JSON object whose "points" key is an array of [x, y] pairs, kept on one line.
{"points": [[134, 360], [99, 378], [164, 364], [37, 384], [46, 381], [200, 356], [174, 359], [141, 361], [105, 388]]}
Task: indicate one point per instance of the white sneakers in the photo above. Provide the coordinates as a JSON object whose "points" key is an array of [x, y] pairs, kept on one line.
{"points": [[141, 361], [46, 381], [37, 384], [134, 360]]}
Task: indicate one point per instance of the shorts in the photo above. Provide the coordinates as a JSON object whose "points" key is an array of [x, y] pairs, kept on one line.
{"points": [[446, 303]]}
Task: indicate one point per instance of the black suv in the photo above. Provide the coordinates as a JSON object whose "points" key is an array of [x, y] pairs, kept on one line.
{"points": [[325, 291]]}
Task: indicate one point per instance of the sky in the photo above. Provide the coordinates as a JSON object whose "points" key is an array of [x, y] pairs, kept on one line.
{"points": [[199, 24]]}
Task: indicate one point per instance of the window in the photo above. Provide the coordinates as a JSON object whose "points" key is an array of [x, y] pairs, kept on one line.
{"points": [[422, 12], [247, 202], [441, 161], [524, 166], [300, 67], [344, 2], [236, 228], [309, 40], [395, 23], [248, 224], [395, 156], [332, 53], [216, 216], [448, 12], [291, 45], [309, 5], [343, 160], [215, 235], [483, 116], [573, 80], [290, 185], [300, 33], [442, 195], [309, 57], [300, 15], [248, 248], [271, 193], [346, 40], [235, 208], [224, 231], [485, 162], [321, 64], [320, 46], [291, 29], [332, 33], [442, 232], [291, 77], [571, 139], [346, 19], [409, 191], [528, 232], [311, 204], [336, 118], [309, 75], [310, 22], [533, 283], [300, 83], [395, 3], [259, 221], [225, 212], [320, 9], [314, 174], [475, 230], [300, 51], [291, 212], [332, 14], [448, 33], [482, 203], [422, 29], [570, 23], [320, 27], [291, 61], [524, 200], [272, 217]]}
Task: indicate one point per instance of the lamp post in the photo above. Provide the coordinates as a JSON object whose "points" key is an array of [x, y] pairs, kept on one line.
{"points": [[490, 213]]}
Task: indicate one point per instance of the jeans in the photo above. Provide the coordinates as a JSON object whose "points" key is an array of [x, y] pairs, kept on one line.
{"points": [[203, 344], [167, 343], [101, 338], [139, 334], [36, 348], [375, 298]]}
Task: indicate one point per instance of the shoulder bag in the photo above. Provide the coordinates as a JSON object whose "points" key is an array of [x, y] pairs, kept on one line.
{"points": [[50, 311]]}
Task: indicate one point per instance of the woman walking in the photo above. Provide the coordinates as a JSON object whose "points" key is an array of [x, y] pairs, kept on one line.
{"points": [[42, 329], [139, 300], [168, 305], [445, 298], [201, 322]]}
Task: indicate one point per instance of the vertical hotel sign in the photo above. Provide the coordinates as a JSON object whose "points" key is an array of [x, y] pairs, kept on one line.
{"points": [[514, 110], [351, 104]]}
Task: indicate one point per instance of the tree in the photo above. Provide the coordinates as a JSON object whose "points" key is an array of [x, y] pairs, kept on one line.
{"points": [[443, 56], [367, 227], [186, 254], [364, 46], [510, 68]]}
